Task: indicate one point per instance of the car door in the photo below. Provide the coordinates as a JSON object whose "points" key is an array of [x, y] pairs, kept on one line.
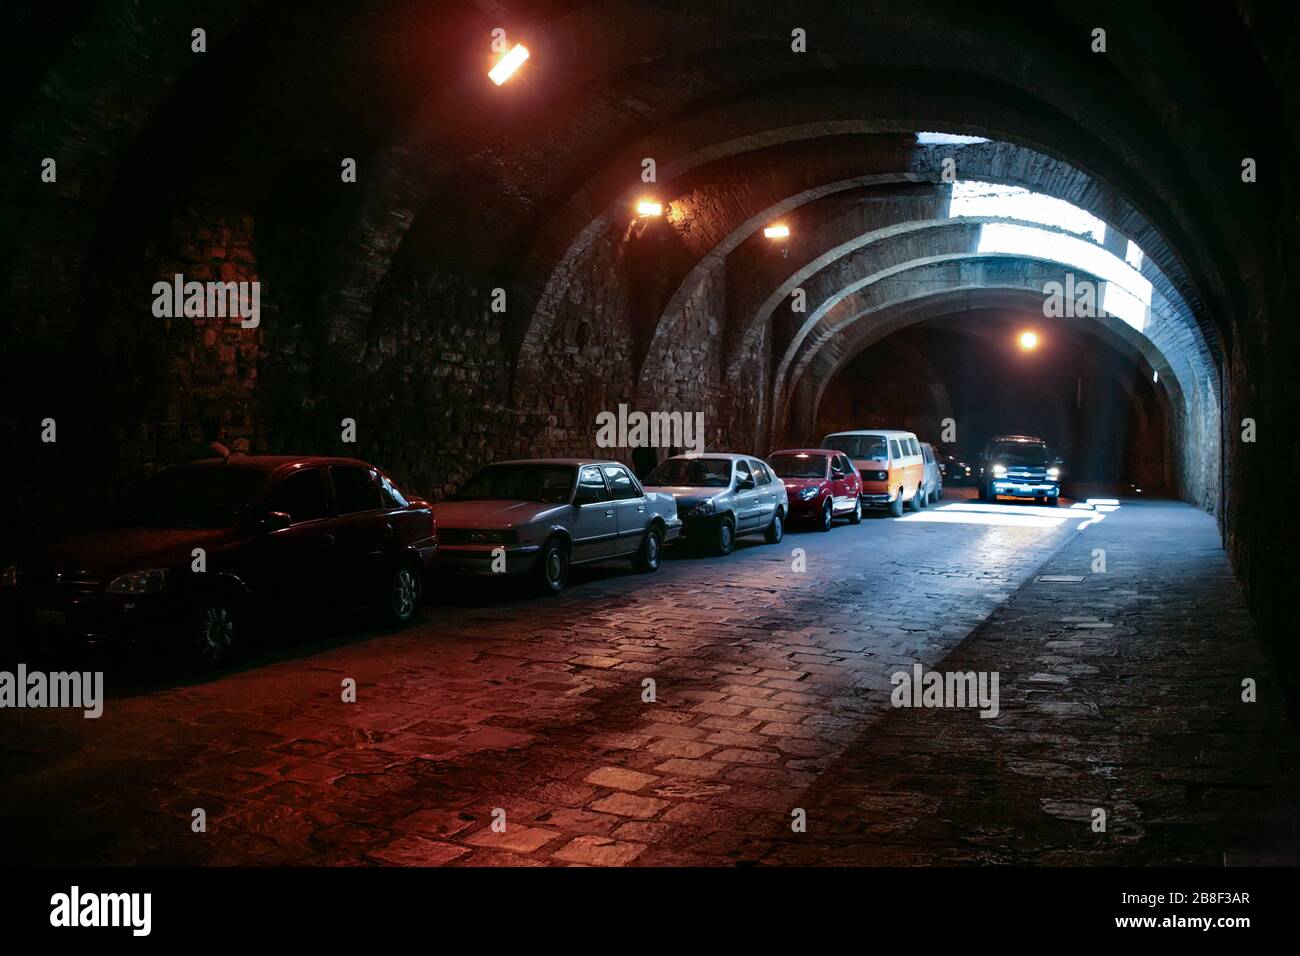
{"points": [[915, 466], [766, 486], [629, 506], [844, 488], [298, 558], [363, 537], [595, 520], [748, 506]]}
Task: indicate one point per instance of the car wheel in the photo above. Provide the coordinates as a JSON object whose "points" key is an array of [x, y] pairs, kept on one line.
{"points": [[402, 594], [828, 517], [776, 530], [647, 558], [938, 495], [553, 567], [216, 628], [1053, 501], [896, 505], [725, 540], [856, 517], [918, 500]]}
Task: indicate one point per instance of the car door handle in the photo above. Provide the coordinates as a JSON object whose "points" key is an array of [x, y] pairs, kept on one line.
{"points": [[609, 514], [640, 509], [327, 542]]}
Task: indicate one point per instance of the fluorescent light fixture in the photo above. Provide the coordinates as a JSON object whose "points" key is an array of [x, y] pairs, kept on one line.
{"points": [[955, 139], [507, 65], [648, 207], [779, 231]]}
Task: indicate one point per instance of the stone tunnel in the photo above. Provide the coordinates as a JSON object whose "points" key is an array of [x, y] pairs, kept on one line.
{"points": [[461, 270]]}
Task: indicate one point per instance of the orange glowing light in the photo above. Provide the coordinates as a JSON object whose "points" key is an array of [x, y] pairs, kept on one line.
{"points": [[507, 65], [778, 231], [648, 207], [1028, 341]]}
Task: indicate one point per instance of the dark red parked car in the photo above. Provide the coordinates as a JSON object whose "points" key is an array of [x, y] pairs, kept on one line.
{"points": [[822, 485], [200, 551]]}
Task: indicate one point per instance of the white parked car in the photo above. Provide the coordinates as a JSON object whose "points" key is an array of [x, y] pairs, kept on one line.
{"points": [[723, 496], [543, 516]]}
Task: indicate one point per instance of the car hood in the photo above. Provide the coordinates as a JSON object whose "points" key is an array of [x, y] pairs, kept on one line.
{"points": [[795, 484], [114, 550], [494, 513], [688, 496]]}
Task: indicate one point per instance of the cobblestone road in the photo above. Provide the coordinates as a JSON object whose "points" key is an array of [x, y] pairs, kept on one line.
{"points": [[1119, 691]]}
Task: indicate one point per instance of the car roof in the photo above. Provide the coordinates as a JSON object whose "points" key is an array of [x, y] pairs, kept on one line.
{"points": [[269, 463], [570, 462], [734, 456], [1020, 438], [806, 451], [887, 432]]}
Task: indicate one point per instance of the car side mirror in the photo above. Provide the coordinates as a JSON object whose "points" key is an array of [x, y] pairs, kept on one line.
{"points": [[837, 473], [744, 484], [274, 521]]}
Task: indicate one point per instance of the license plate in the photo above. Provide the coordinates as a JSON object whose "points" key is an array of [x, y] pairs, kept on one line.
{"points": [[51, 618]]}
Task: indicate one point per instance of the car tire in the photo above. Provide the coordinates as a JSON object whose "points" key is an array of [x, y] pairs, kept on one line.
{"points": [[827, 519], [776, 530], [896, 505], [403, 592], [1053, 501], [647, 557], [552, 570], [918, 500], [215, 630], [856, 516], [938, 495], [724, 541]]}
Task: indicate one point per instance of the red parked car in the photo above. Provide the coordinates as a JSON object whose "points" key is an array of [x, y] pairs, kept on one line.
{"points": [[198, 552], [822, 485]]}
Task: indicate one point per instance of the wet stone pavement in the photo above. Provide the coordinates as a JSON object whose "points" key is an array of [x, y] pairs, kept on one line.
{"points": [[1119, 691]]}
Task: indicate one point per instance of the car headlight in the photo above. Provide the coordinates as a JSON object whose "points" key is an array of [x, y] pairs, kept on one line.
{"points": [[1053, 473], [9, 577], [704, 508], [999, 471], [493, 537], [876, 475], [138, 582], [807, 494]]}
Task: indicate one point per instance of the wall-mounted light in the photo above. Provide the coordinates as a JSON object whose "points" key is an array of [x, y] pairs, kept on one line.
{"points": [[508, 63], [778, 231], [1028, 341], [648, 207]]}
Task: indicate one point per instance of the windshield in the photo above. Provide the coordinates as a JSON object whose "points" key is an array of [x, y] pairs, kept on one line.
{"points": [[693, 472], [552, 484], [861, 447], [191, 498], [1032, 454], [798, 466]]}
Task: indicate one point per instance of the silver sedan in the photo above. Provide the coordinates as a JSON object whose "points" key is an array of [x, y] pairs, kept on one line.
{"points": [[543, 516]]}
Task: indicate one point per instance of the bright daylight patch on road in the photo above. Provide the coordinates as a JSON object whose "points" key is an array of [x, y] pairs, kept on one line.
{"points": [[1015, 516]]}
